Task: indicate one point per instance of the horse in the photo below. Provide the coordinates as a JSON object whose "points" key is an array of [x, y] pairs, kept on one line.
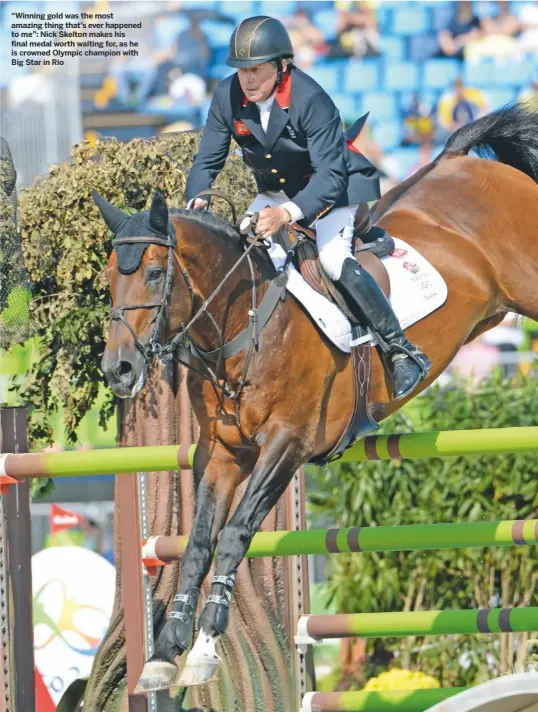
{"points": [[286, 398]]}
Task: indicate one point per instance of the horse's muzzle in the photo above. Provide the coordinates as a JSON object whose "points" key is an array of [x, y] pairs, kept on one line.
{"points": [[125, 370]]}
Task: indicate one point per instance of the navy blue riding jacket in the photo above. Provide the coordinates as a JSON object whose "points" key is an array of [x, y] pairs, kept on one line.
{"points": [[304, 152]]}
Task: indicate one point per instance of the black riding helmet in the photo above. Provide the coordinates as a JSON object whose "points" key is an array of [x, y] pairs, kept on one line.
{"points": [[257, 40]]}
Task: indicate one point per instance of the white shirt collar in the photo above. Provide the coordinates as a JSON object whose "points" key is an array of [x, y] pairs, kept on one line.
{"points": [[267, 104]]}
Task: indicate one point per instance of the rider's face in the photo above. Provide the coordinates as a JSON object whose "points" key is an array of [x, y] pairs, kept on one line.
{"points": [[258, 82]]}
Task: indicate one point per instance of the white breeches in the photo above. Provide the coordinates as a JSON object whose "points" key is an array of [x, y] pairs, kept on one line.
{"points": [[334, 233]]}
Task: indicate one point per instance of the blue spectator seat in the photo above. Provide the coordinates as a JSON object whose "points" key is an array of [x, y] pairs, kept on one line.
{"points": [[127, 133], [277, 8], [392, 47], [219, 55], [237, 10], [499, 97], [329, 76], [516, 72], [197, 4], [428, 98], [401, 76], [361, 75], [519, 6], [410, 20], [485, 8], [217, 33], [220, 71], [442, 14], [347, 105], [481, 74], [422, 47], [91, 81], [312, 6], [384, 19], [438, 3], [388, 134], [440, 73], [204, 111], [166, 31], [325, 21], [381, 105]]}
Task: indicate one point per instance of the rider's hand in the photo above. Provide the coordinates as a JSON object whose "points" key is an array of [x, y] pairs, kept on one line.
{"points": [[200, 204], [271, 220]]}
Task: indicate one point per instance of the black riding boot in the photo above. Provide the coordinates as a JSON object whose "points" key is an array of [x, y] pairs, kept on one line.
{"points": [[406, 365]]}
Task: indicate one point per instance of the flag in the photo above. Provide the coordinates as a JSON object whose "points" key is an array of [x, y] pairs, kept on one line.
{"points": [[62, 519]]}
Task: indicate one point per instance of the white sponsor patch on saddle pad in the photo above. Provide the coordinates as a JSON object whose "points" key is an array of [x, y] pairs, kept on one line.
{"points": [[417, 289]]}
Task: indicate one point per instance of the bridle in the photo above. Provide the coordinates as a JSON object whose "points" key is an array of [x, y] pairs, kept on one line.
{"points": [[153, 347], [181, 346]]}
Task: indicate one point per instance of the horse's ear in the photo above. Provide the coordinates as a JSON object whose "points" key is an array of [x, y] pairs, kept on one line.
{"points": [[112, 215], [158, 213]]}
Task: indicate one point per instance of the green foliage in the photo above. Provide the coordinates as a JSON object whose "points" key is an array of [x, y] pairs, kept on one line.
{"points": [[14, 295], [485, 488], [66, 247]]}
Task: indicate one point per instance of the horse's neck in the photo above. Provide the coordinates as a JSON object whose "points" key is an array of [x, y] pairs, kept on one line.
{"points": [[208, 262]]}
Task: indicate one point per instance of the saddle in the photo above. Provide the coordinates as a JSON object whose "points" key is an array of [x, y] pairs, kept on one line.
{"points": [[368, 253]]}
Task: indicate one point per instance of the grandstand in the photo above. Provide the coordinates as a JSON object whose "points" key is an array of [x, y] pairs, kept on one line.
{"points": [[408, 65]]}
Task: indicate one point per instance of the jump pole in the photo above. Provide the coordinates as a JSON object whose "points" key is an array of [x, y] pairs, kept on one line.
{"points": [[449, 443]]}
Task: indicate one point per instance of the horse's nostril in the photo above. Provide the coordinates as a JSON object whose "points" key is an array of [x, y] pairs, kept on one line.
{"points": [[125, 368]]}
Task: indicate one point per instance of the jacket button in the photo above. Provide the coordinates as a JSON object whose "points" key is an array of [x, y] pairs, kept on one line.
{"points": [[282, 180], [274, 170], [268, 155]]}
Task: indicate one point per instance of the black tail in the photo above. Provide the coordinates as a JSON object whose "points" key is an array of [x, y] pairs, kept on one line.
{"points": [[509, 135]]}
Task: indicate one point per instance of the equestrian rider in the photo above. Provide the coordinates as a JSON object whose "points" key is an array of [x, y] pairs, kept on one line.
{"points": [[291, 136]]}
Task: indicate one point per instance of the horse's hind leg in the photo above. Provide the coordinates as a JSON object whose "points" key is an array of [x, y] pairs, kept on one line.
{"points": [[278, 461], [217, 475]]}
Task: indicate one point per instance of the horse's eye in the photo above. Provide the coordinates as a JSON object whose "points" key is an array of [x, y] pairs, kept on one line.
{"points": [[154, 275]]}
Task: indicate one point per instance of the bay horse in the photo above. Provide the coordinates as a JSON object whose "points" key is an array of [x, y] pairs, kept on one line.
{"points": [[475, 220]]}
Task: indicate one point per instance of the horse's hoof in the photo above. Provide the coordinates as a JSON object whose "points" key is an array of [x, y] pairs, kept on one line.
{"points": [[156, 675], [202, 662], [199, 671]]}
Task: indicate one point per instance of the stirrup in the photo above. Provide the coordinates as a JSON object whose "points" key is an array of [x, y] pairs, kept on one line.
{"points": [[403, 353], [396, 352]]}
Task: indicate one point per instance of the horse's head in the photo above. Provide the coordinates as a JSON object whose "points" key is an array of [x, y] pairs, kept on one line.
{"points": [[140, 274]]}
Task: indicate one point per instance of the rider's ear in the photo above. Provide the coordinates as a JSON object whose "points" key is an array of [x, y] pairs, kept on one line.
{"points": [[112, 215], [158, 214]]}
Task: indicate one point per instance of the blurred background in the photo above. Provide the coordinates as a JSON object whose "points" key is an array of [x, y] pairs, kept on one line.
{"points": [[420, 68]]}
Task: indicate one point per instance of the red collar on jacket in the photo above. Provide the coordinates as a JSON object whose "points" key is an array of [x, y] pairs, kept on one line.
{"points": [[283, 93]]}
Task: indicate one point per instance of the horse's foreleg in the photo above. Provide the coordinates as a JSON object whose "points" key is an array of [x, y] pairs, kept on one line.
{"points": [[217, 476], [274, 470]]}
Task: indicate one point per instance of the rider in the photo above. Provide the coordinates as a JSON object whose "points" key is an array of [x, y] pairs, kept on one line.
{"points": [[290, 134]]}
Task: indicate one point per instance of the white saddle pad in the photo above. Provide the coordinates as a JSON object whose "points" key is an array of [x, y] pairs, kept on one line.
{"points": [[417, 289]]}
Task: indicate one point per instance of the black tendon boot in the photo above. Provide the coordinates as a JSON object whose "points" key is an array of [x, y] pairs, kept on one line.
{"points": [[406, 365]]}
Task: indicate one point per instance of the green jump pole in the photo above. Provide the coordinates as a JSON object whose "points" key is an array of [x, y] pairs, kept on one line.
{"points": [[399, 624], [449, 443], [419, 537], [445, 443], [397, 700], [80, 463]]}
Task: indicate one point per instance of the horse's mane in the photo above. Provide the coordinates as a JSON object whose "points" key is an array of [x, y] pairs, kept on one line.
{"points": [[220, 227], [225, 231]]}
